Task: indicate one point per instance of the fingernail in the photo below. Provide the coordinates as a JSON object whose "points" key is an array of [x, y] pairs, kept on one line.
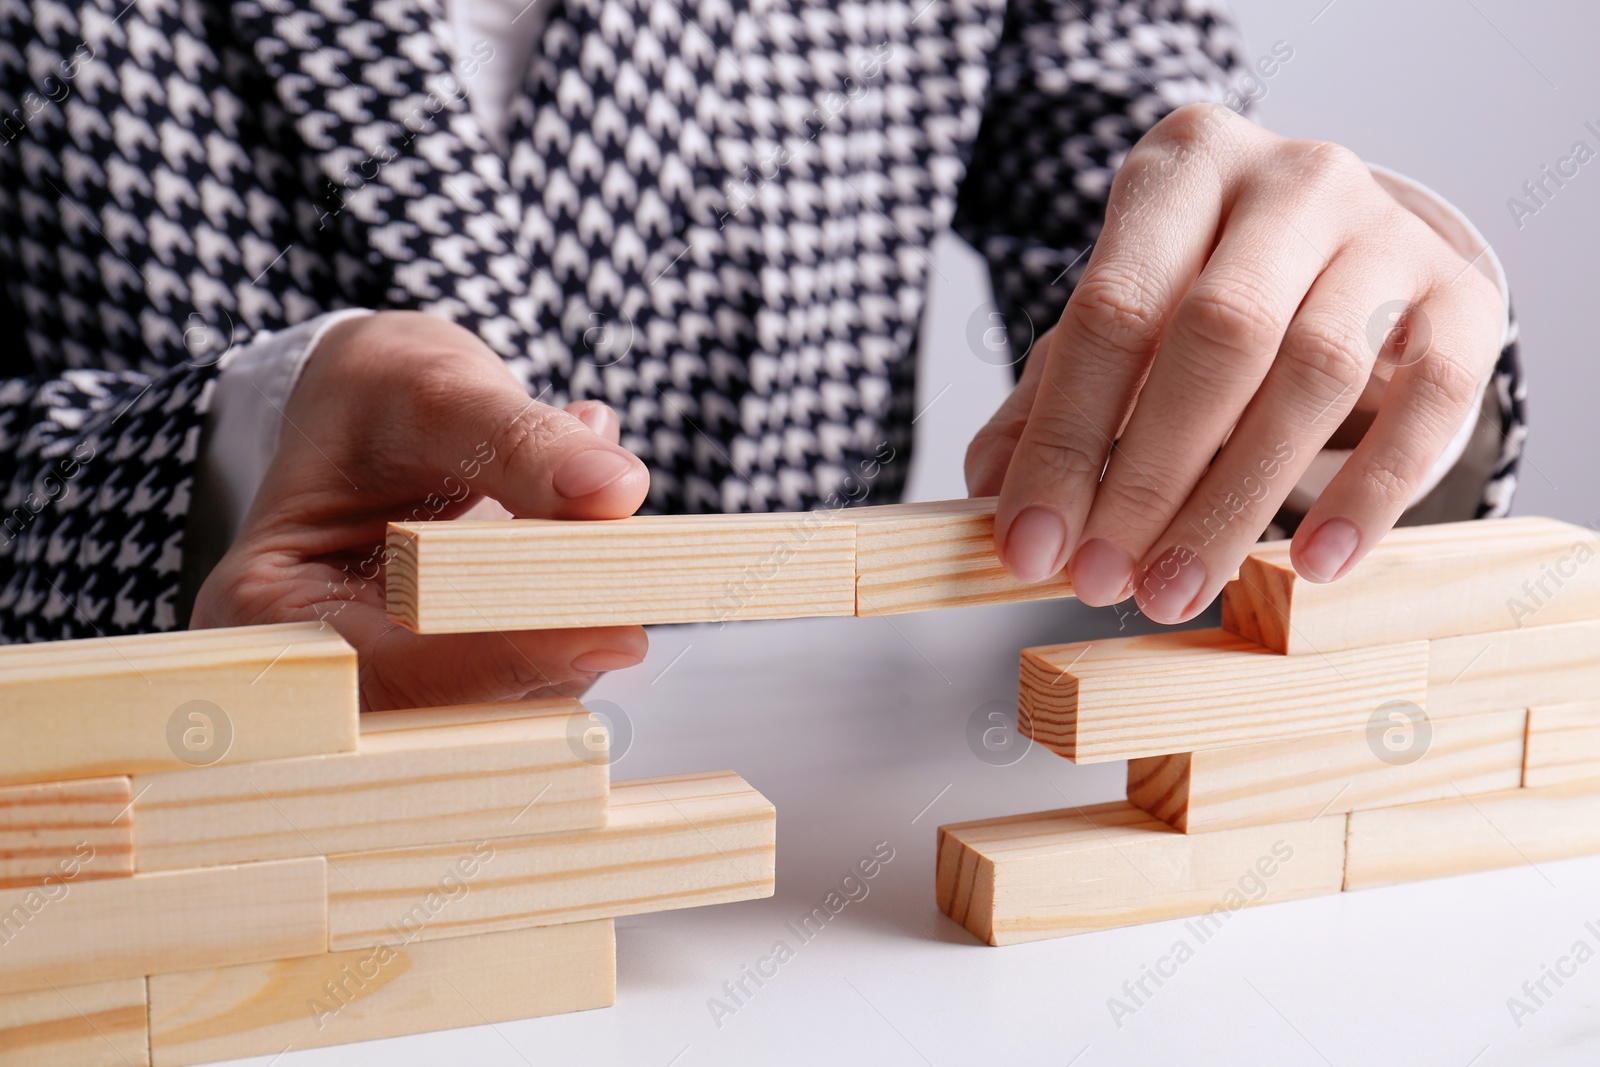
{"points": [[1034, 544], [589, 471], [1328, 550], [599, 660], [1170, 584], [1100, 573]]}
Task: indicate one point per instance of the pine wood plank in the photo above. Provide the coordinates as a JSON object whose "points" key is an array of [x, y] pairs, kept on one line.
{"points": [[83, 829], [1445, 837], [1421, 582], [1538, 665], [1563, 744], [533, 574], [1155, 694], [99, 1025], [259, 1009], [1301, 778], [73, 933], [674, 842], [420, 777], [1028, 877], [111, 706], [916, 557]]}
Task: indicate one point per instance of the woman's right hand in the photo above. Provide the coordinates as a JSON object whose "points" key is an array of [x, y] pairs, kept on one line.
{"points": [[404, 416]]}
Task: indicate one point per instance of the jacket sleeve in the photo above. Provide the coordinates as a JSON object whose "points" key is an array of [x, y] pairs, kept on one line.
{"points": [[95, 474]]}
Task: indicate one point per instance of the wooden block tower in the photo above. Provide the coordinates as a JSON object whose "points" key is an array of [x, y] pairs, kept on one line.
{"points": [[205, 853], [1432, 713]]}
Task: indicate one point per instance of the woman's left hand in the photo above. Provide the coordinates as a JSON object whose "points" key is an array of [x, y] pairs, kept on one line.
{"points": [[1248, 297]]}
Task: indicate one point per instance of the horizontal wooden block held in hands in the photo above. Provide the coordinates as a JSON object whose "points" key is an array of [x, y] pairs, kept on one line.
{"points": [[419, 777], [1419, 583], [1466, 834], [455, 577], [124, 705], [70, 933], [49, 828], [1563, 744], [915, 557], [1514, 668], [1281, 781], [260, 1009], [534, 574], [100, 1025], [1028, 877], [675, 842], [1180, 691]]}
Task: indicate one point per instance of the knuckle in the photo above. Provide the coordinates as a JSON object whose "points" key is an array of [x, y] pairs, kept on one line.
{"points": [[1390, 476], [1445, 385], [1138, 501], [1061, 453], [1326, 360], [1189, 128], [525, 438], [1328, 165], [1116, 311], [1232, 321]]}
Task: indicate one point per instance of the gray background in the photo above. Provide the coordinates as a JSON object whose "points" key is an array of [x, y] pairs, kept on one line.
{"points": [[1469, 97]]}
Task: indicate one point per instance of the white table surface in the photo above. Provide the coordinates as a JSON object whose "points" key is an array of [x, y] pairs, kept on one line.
{"points": [[857, 730]]}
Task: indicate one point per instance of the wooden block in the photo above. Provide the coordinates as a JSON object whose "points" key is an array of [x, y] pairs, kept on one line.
{"points": [[125, 705], [534, 574], [914, 557], [99, 1025], [260, 1009], [71, 933], [1563, 744], [1028, 877], [1514, 668], [420, 777], [1281, 781], [1445, 837], [1152, 695], [676, 842], [1421, 582], [81, 829]]}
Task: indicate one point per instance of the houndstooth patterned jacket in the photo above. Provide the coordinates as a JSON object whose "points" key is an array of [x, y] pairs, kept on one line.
{"points": [[715, 215]]}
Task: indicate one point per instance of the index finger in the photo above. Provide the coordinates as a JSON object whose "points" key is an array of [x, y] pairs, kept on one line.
{"points": [[1166, 207]]}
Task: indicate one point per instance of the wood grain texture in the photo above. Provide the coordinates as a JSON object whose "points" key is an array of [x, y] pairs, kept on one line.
{"points": [[1514, 668], [1563, 744], [72, 933], [259, 1009], [916, 557], [420, 777], [674, 842], [1445, 837], [1028, 877], [464, 576], [1283, 781], [99, 1025], [533, 574], [51, 827], [1152, 695], [105, 706], [1421, 582]]}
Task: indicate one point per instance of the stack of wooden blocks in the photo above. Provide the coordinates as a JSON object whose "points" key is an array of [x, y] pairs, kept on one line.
{"points": [[1432, 713], [205, 853]]}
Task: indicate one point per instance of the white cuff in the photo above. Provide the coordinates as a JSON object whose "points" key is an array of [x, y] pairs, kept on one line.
{"points": [[242, 428], [1460, 234]]}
